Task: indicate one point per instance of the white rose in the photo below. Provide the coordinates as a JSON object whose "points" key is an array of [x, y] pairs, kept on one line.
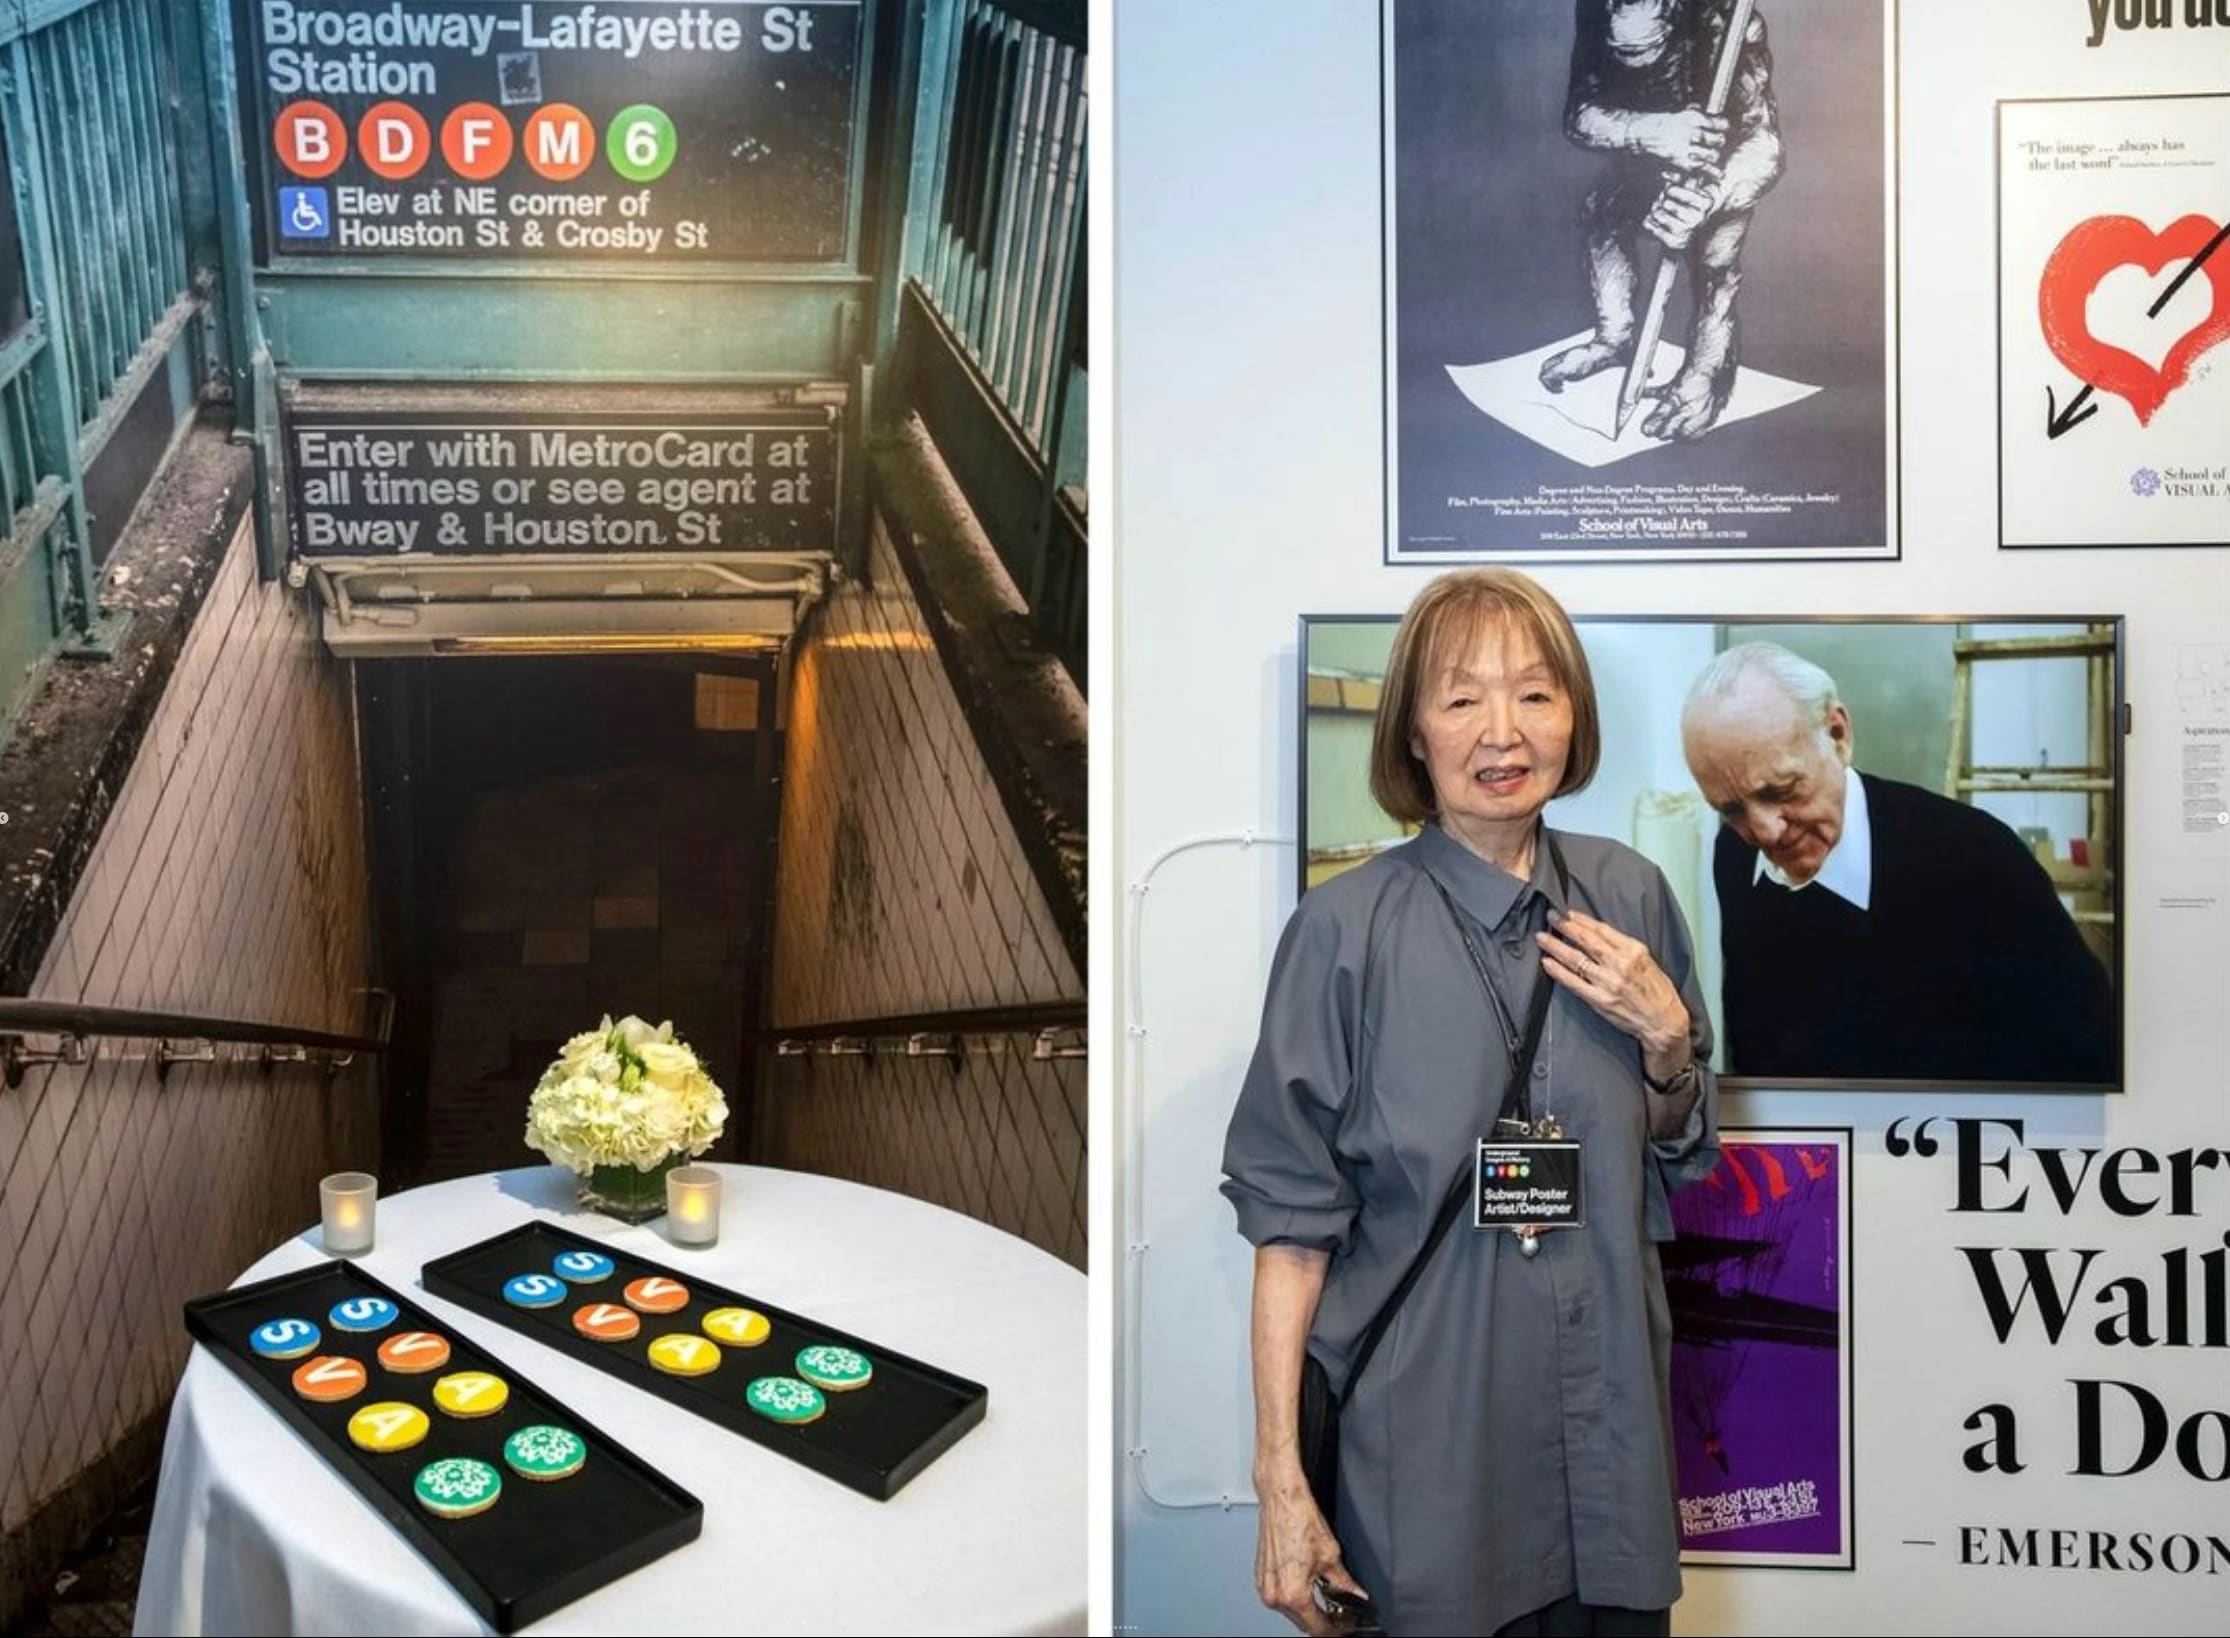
{"points": [[634, 1032], [578, 1049], [666, 1062]]}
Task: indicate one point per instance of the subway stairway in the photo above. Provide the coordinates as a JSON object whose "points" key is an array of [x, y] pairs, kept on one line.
{"points": [[372, 719]]}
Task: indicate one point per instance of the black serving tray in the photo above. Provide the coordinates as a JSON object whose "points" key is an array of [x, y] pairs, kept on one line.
{"points": [[873, 1439], [543, 1544]]}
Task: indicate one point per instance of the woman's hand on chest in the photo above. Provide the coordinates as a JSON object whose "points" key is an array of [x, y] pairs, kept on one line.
{"points": [[1617, 976]]}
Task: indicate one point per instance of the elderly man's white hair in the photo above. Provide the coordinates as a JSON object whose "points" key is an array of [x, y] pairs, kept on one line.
{"points": [[1806, 686]]}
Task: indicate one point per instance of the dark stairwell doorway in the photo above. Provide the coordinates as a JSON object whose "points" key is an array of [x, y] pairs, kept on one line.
{"points": [[555, 838]]}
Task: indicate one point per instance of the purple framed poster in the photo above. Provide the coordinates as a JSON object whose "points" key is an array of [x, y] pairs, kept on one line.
{"points": [[1759, 1283]]}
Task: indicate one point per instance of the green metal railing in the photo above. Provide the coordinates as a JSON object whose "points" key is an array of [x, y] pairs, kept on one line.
{"points": [[1005, 261], [127, 177], [102, 81], [90, 99], [995, 251], [19, 471]]}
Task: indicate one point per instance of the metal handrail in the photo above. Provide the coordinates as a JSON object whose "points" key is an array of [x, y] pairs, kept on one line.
{"points": [[76, 1024], [1056, 1026], [1019, 1020]]}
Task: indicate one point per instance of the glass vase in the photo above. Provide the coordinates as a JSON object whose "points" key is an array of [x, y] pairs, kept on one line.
{"points": [[623, 1192]]}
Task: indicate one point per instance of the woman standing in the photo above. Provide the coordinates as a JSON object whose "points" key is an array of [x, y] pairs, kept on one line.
{"points": [[1505, 1457]]}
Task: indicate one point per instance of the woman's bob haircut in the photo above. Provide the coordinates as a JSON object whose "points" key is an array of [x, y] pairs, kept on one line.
{"points": [[1442, 628]]}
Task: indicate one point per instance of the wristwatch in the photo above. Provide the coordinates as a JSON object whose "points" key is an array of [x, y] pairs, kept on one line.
{"points": [[1679, 1081]]}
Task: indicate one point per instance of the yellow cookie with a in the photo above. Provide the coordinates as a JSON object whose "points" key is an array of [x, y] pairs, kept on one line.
{"points": [[471, 1393], [388, 1426], [737, 1327], [684, 1355]]}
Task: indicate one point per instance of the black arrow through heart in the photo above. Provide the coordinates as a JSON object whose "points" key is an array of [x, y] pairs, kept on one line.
{"points": [[2057, 422], [2079, 409], [2197, 262]]}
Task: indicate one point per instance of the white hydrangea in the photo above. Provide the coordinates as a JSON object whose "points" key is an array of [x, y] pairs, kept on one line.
{"points": [[624, 1094]]}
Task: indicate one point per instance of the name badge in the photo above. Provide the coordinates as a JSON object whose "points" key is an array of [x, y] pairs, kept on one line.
{"points": [[1528, 1185]]}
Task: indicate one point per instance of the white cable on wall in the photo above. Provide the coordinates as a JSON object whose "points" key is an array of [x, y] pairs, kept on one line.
{"points": [[1135, 1244]]}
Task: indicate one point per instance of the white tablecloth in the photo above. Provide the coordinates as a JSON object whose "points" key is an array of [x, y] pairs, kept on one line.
{"points": [[254, 1533]]}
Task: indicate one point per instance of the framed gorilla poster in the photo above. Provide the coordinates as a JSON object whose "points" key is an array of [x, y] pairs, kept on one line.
{"points": [[1896, 842], [1640, 264]]}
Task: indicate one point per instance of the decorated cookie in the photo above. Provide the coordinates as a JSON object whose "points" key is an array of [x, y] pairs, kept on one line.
{"points": [[456, 1487], [534, 1291], [330, 1378], [737, 1327], [362, 1314], [785, 1399], [472, 1393], [654, 1294], [583, 1267], [411, 1353], [284, 1338], [684, 1355], [542, 1453], [388, 1426], [606, 1322], [838, 1369]]}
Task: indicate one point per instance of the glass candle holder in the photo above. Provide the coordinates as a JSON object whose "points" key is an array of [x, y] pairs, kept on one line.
{"points": [[693, 1206], [346, 1200]]}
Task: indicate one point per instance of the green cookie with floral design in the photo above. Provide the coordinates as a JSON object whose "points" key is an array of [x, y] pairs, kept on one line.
{"points": [[839, 1370], [785, 1399], [543, 1453], [457, 1487]]}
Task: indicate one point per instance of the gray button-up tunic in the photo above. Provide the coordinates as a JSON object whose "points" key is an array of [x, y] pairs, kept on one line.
{"points": [[1511, 1440]]}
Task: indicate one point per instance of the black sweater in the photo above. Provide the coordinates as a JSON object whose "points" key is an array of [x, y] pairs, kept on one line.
{"points": [[1964, 968]]}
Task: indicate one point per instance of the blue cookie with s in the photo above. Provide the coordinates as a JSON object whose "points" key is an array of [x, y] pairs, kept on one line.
{"points": [[534, 1291]]}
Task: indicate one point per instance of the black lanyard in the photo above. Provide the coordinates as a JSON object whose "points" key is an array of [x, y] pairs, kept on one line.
{"points": [[1466, 1178], [1517, 1099]]}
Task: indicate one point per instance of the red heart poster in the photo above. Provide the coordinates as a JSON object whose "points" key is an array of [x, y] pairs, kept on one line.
{"points": [[2096, 248], [2113, 238]]}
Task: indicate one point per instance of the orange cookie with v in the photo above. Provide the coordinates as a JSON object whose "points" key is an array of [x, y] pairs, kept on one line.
{"points": [[606, 1322], [654, 1294], [330, 1378]]}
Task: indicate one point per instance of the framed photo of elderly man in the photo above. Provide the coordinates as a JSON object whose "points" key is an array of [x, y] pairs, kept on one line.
{"points": [[1640, 280], [1897, 842]]}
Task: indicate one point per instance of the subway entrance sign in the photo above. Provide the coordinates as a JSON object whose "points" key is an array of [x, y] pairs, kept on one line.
{"points": [[463, 475], [470, 519], [644, 131]]}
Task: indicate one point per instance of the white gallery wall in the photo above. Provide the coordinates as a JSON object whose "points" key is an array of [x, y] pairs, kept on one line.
{"points": [[1250, 492]]}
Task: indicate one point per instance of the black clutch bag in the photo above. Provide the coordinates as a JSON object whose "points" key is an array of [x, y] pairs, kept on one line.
{"points": [[1320, 1407], [1320, 1437]]}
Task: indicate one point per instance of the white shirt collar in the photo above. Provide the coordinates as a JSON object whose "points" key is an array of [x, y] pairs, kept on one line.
{"points": [[1848, 869]]}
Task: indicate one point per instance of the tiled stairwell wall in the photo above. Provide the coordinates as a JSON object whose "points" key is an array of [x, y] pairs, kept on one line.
{"points": [[228, 880], [903, 890]]}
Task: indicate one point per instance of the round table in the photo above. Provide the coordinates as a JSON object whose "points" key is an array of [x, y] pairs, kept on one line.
{"points": [[253, 1532]]}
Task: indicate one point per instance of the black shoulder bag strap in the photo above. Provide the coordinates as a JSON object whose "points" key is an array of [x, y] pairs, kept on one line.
{"points": [[1521, 1066]]}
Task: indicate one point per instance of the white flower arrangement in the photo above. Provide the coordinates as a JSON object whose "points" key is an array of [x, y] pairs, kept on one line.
{"points": [[624, 1094]]}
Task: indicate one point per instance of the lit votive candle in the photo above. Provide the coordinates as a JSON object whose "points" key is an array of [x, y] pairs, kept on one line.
{"points": [[346, 1200], [693, 1205]]}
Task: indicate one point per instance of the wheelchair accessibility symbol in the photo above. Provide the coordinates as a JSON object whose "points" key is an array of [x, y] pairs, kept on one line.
{"points": [[303, 214]]}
